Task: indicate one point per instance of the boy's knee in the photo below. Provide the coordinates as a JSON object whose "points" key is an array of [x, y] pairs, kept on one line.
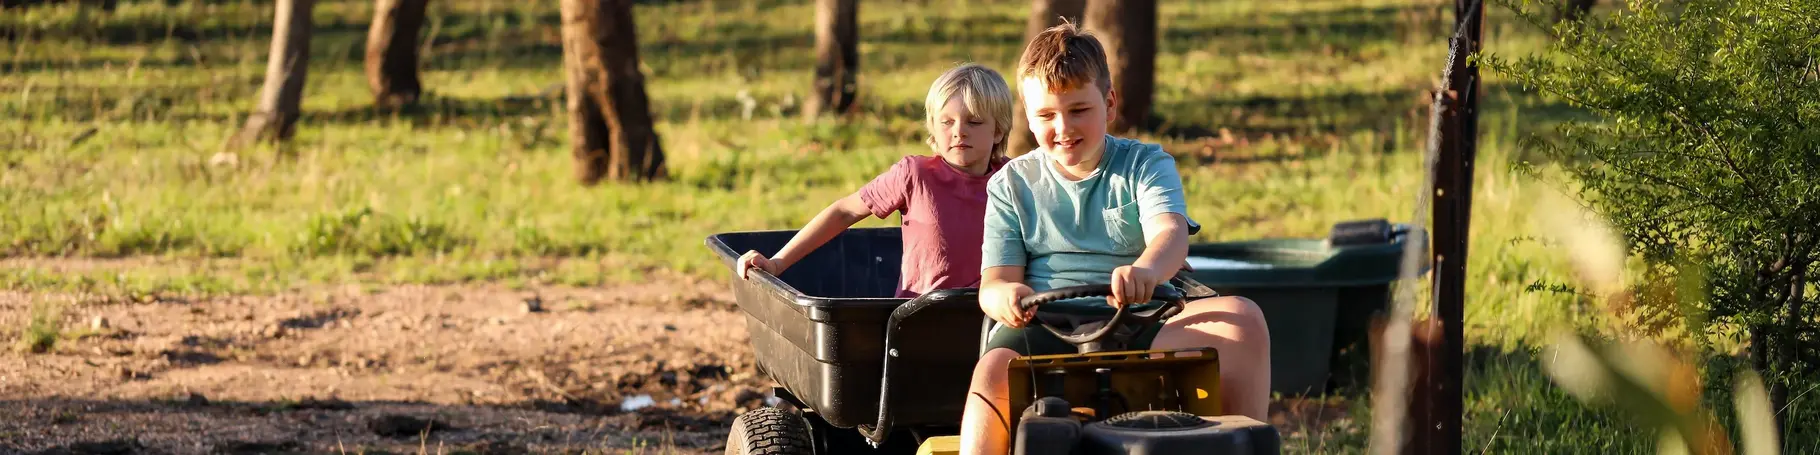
{"points": [[1244, 303], [990, 370], [1235, 310], [1254, 314], [994, 361], [1232, 303]]}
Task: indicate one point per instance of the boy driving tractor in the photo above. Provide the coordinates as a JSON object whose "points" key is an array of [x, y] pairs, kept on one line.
{"points": [[1090, 208]]}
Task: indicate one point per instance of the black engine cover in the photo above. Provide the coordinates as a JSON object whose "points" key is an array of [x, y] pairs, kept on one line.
{"points": [[1047, 428], [1176, 433]]}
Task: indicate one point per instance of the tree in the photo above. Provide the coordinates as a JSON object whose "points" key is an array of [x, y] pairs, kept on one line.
{"points": [[1128, 29], [1705, 155], [391, 61], [836, 57], [610, 127], [286, 68], [1043, 14], [1573, 10]]}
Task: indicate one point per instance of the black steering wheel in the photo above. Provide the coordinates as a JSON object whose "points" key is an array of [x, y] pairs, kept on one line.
{"points": [[1090, 333]]}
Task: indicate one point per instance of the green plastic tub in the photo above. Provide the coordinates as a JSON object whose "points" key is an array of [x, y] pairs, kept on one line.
{"points": [[1318, 296]]}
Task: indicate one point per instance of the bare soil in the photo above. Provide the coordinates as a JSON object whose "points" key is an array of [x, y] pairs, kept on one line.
{"points": [[334, 370]]}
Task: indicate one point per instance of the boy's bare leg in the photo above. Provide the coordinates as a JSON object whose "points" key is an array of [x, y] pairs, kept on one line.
{"points": [[985, 424], [1233, 326]]}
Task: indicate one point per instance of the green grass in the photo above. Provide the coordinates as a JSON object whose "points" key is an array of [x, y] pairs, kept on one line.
{"points": [[481, 171], [111, 127], [41, 334]]}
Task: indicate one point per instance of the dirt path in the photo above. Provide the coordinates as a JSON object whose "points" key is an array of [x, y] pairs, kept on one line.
{"points": [[340, 369]]}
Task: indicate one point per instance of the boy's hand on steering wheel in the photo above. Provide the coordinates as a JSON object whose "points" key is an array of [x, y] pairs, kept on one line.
{"points": [[1133, 285], [752, 260], [999, 302]]}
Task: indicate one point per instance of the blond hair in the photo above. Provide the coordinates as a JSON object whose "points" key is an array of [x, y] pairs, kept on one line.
{"points": [[1064, 58], [982, 90]]}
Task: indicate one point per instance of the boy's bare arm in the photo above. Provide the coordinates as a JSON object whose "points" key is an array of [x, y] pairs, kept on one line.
{"points": [[1164, 253], [1000, 289], [1166, 244], [830, 222], [1003, 274]]}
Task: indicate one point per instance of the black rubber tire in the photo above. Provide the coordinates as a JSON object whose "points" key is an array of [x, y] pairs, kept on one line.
{"points": [[769, 431]]}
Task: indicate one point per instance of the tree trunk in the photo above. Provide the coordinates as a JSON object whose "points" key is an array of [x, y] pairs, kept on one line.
{"points": [[1788, 349], [836, 57], [391, 62], [1128, 29], [610, 126], [1043, 14], [286, 69], [1776, 379], [1421, 362]]}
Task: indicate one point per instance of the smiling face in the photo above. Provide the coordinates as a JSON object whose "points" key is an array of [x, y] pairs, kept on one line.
{"points": [[1069, 124], [963, 139]]}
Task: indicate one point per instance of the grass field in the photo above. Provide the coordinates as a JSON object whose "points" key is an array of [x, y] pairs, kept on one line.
{"points": [[1287, 117]]}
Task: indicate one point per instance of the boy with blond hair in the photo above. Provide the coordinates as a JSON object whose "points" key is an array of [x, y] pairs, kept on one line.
{"points": [[1088, 208], [941, 195]]}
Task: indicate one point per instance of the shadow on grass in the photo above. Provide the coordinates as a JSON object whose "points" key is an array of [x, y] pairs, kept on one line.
{"points": [[436, 110], [1249, 117], [1339, 112], [197, 425]]}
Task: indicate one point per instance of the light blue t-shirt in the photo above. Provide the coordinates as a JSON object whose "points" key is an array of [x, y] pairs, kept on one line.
{"points": [[1071, 233]]}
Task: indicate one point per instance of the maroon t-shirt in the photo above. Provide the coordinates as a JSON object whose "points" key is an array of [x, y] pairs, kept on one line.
{"points": [[944, 217]]}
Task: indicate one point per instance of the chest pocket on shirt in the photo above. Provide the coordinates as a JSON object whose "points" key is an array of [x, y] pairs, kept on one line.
{"points": [[1123, 228]]}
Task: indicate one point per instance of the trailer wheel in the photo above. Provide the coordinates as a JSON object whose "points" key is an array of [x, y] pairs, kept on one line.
{"points": [[769, 431]]}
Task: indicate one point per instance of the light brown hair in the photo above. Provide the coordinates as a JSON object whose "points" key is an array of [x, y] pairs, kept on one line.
{"points": [[1064, 58]]}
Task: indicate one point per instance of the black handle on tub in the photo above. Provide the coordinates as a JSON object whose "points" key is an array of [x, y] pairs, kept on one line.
{"points": [[876, 435]]}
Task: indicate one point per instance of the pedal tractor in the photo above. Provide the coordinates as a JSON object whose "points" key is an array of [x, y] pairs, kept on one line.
{"points": [[1107, 399]]}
